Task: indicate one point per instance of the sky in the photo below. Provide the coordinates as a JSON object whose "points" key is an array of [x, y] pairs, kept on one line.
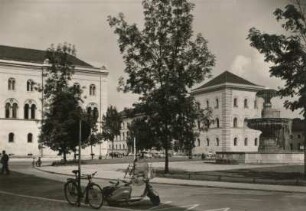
{"points": [[224, 23]]}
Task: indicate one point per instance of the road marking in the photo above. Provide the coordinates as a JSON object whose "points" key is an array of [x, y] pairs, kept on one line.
{"points": [[220, 209], [153, 208], [33, 197], [188, 207], [194, 206], [56, 200]]}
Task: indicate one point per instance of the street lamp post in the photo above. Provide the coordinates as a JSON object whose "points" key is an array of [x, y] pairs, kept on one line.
{"points": [[79, 163], [134, 148]]}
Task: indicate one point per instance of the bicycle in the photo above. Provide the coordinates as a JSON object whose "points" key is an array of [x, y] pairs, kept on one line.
{"points": [[92, 192]]}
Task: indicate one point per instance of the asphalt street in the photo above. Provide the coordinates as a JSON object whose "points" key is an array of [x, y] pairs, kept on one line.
{"points": [[34, 190]]}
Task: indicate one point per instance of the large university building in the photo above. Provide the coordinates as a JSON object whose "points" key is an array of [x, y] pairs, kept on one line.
{"points": [[232, 100], [21, 106]]}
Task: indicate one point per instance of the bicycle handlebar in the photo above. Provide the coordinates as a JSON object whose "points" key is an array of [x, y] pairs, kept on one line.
{"points": [[84, 176]]}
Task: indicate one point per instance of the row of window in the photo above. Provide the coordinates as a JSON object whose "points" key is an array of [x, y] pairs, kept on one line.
{"points": [[11, 138], [31, 83], [298, 136], [11, 110], [118, 146], [235, 103], [29, 109], [216, 122], [235, 142], [122, 136]]}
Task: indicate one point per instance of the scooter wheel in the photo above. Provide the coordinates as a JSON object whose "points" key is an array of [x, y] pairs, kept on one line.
{"points": [[155, 200]]}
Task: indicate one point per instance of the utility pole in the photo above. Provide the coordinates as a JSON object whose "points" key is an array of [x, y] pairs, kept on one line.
{"points": [[134, 148]]}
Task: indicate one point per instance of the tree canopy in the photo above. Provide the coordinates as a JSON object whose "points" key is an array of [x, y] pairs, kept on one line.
{"points": [[111, 124], [287, 53], [62, 105], [163, 60]]}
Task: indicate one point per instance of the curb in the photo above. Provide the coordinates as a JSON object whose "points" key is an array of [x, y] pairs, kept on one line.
{"points": [[224, 186]]}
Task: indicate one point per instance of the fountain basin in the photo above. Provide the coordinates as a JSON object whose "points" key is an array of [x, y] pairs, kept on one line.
{"points": [[275, 132]]}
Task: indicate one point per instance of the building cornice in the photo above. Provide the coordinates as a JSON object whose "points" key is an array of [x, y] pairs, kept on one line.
{"points": [[218, 87], [11, 63]]}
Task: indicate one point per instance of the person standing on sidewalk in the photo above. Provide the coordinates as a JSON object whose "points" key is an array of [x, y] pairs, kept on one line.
{"points": [[4, 161]]}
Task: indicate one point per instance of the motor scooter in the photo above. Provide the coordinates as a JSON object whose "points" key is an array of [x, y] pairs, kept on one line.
{"points": [[120, 191]]}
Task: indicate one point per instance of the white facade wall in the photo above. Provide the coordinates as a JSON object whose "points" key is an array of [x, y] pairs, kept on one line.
{"points": [[218, 139], [20, 126]]}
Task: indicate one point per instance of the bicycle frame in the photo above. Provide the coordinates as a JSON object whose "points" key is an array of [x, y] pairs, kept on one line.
{"points": [[81, 193]]}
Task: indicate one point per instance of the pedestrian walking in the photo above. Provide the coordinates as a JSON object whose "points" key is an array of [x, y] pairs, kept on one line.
{"points": [[38, 162], [33, 162], [4, 161]]}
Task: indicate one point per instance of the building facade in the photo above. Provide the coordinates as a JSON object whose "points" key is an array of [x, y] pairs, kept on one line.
{"points": [[21, 106], [232, 100]]}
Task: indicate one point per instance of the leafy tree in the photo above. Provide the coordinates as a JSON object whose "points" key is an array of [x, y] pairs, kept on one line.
{"points": [[62, 114], [94, 137], [111, 125], [163, 61], [287, 52], [141, 131]]}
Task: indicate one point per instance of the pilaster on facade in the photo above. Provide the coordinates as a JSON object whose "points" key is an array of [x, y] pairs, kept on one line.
{"points": [[226, 117]]}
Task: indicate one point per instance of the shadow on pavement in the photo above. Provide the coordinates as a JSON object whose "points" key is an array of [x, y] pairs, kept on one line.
{"points": [[17, 184]]}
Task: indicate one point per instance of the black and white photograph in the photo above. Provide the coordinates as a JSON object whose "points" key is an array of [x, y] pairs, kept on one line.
{"points": [[153, 105]]}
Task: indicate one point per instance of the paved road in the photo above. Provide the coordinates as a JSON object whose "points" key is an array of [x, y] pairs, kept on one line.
{"points": [[22, 193]]}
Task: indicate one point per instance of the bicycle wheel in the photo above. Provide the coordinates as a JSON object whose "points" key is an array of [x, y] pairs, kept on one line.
{"points": [[95, 196], [71, 192]]}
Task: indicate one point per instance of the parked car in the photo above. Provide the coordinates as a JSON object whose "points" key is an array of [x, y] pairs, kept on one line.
{"points": [[146, 154]]}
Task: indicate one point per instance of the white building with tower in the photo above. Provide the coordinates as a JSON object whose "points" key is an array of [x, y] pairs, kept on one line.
{"points": [[21, 105]]}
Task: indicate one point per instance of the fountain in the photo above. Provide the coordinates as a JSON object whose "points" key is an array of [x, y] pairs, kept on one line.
{"points": [[275, 130]]}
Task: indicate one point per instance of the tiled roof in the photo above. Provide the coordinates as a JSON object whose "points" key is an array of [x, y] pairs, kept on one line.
{"points": [[31, 55], [226, 77]]}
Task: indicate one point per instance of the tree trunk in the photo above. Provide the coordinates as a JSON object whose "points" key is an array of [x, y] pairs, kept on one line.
{"points": [[112, 149], [166, 160], [91, 153], [64, 156], [304, 144]]}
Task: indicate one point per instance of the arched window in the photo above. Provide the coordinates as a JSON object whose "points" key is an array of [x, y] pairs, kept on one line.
{"points": [[26, 111], [217, 103], [256, 141], [30, 137], [11, 84], [92, 89], [235, 141], [89, 110], [217, 122], [245, 103], [255, 104], [235, 102], [217, 141], [7, 110], [207, 141], [235, 122], [15, 108], [95, 112], [33, 110], [207, 103], [199, 142], [246, 142], [30, 85], [245, 122], [11, 137]]}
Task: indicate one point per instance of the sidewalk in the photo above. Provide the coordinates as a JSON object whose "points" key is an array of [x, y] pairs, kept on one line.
{"points": [[115, 171]]}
